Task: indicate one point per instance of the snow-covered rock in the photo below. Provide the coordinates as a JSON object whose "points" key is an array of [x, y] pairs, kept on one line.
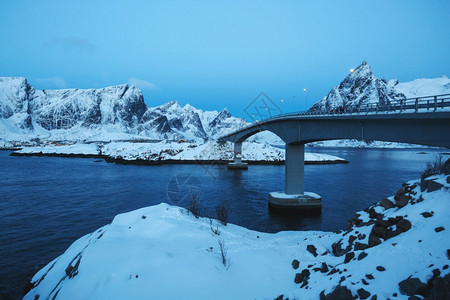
{"points": [[358, 88], [361, 87], [163, 252]]}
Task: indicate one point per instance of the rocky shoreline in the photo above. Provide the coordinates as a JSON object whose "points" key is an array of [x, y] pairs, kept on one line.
{"points": [[167, 161]]}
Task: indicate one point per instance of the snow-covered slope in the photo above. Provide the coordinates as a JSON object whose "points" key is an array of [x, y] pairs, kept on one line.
{"points": [[424, 87], [395, 249]]}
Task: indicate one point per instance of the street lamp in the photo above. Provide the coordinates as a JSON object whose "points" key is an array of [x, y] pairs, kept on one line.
{"points": [[306, 97]]}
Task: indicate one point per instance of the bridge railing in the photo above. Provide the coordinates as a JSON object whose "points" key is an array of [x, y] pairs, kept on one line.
{"points": [[409, 105]]}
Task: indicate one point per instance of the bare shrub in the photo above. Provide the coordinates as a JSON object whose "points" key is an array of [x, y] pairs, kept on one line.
{"points": [[214, 230], [223, 211], [434, 167], [224, 255], [194, 206]]}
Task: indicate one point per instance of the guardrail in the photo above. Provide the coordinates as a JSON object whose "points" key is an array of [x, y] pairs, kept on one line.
{"points": [[409, 105]]}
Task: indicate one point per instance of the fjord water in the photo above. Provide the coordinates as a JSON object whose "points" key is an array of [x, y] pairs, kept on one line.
{"points": [[47, 203]]}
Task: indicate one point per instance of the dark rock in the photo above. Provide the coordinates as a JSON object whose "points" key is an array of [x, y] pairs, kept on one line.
{"points": [[351, 239], [381, 222], [299, 277], [436, 272], [360, 246], [372, 213], [362, 255], [445, 267], [374, 297], [430, 185], [446, 167], [379, 231], [386, 204], [322, 295], [324, 268], [305, 283], [361, 236], [381, 268], [448, 253], [402, 201], [370, 276], [363, 294], [412, 286], [364, 282], [312, 249], [440, 289], [391, 233], [305, 273], [439, 229], [334, 270], [295, 264], [349, 256], [144, 217], [404, 225], [414, 298], [340, 293], [341, 279], [394, 295], [279, 297], [401, 198], [426, 214], [374, 240]]}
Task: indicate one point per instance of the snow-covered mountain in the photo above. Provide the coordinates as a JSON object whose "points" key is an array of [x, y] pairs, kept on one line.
{"points": [[116, 112], [362, 87]]}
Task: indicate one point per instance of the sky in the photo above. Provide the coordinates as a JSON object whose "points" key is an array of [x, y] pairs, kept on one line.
{"points": [[215, 54]]}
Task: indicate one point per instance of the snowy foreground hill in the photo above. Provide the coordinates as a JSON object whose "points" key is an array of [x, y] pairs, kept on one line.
{"points": [[396, 249]]}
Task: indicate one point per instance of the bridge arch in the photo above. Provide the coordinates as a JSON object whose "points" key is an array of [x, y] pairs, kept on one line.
{"points": [[425, 122]]}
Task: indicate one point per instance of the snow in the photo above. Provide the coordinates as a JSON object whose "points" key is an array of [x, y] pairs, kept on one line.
{"points": [[163, 252], [424, 87], [175, 151]]}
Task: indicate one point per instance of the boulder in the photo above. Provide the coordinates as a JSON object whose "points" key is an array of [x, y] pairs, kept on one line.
{"points": [[360, 246], [362, 255], [363, 294], [386, 203], [440, 289], [340, 293], [446, 168], [412, 286], [312, 249], [381, 268], [430, 185], [404, 225], [295, 264], [439, 229], [379, 231], [374, 240], [349, 256], [426, 214]]}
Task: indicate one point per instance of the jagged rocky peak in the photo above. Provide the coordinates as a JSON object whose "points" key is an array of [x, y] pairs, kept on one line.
{"points": [[14, 96], [358, 88], [64, 109]]}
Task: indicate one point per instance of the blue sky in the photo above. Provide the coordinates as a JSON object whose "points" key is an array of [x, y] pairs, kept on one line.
{"points": [[214, 54]]}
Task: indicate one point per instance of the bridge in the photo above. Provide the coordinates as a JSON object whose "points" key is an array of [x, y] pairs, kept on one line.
{"points": [[423, 121]]}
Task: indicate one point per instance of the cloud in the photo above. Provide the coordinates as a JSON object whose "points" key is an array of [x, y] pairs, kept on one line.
{"points": [[143, 84], [51, 82], [71, 44]]}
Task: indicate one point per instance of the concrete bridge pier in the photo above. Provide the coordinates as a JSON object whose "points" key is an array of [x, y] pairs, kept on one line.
{"points": [[237, 164], [294, 196]]}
